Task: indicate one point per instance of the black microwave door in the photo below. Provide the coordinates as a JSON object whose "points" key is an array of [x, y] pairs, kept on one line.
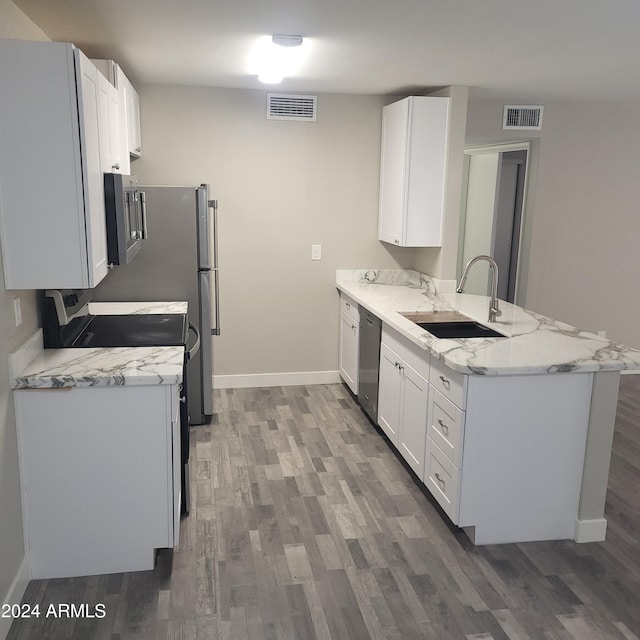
{"points": [[124, 217]]}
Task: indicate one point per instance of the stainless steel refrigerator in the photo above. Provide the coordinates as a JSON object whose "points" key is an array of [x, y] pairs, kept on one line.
{"points": [[178, 260]]}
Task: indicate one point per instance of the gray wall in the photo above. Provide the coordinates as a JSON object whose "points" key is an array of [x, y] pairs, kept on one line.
{"points": [[582, 213], [13, 24], [282, 186]]}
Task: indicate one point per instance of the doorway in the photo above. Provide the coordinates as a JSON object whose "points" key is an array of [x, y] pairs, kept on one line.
{"points": [[492, 216]]}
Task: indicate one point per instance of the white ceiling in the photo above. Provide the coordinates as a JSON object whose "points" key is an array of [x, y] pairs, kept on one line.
{"points": [[513, 50]]}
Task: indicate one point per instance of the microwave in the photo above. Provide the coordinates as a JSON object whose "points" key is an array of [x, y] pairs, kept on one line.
{"points": [[126, 217]]}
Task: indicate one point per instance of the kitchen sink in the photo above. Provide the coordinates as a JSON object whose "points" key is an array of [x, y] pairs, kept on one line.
{"points": [[450, 324], [435, 316], [459, 329]]}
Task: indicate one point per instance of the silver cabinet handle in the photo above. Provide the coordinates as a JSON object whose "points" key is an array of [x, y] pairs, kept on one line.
{"points": [[116, 166], [444, 427], [440, 480], [138, 149], [346, 304], [445, 382], [353, 326], [396, 241]]}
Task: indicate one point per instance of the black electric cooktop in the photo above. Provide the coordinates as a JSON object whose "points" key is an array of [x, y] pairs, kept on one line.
{"points": [[137, 330]]}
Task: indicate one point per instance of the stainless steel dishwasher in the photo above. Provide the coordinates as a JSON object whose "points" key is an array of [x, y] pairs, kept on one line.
{"points": [[369, 362]]}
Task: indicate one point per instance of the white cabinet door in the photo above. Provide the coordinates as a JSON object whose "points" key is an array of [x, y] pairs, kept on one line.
{"points": [[94, 208], [393, 172], [413, 425], [389, 393], [98, 477], [412, 171], [134, 137], [52, 213], [109, 126], [349, 333]]}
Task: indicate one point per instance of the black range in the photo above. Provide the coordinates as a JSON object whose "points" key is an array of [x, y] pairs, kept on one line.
{"points": [[67, 324]]}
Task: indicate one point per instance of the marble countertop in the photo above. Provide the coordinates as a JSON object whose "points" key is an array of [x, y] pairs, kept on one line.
{"points": [[117, 366], [33, 367], [534, 344], [135, 308]]}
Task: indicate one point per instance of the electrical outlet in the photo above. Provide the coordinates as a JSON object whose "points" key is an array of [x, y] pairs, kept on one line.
{"points": [[316, 252], [17, 311]]}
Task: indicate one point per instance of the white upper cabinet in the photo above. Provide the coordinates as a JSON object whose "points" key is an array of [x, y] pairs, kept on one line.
{"points": [[415, 134], [128, 111], [52, 213], [112, 149], [132, 101]]}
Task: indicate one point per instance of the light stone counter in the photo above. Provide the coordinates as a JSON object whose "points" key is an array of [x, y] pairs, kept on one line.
{"points": [[135, 308], [534, 343], [33, 367]]}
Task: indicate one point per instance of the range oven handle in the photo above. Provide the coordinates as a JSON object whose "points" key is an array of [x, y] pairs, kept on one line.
{"points": [[144, 234], [196, 347]]}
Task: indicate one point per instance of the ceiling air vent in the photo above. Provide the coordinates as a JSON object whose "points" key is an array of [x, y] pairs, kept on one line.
{"points": [[522, 116], [289, 106]]}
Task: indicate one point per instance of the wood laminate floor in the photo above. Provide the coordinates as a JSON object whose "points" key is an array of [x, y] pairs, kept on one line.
{"points": [[304, 525]]}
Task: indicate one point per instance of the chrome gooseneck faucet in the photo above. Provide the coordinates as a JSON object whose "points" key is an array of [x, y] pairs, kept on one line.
{"points": [[494, 311]]}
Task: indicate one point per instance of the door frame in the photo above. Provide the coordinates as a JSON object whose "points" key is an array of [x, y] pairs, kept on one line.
{"points": [[523, 145]]}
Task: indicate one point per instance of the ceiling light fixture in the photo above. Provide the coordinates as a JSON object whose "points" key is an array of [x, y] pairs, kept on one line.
{"points": [[276, 57], [286, 41]]}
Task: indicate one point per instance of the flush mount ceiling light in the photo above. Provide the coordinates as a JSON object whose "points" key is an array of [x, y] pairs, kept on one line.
{"points": [[276, 57], [286, 41]]}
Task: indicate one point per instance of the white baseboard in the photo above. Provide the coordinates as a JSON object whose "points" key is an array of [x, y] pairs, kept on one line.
{"points": [[591, 530], [16, 591], [289, 379]]}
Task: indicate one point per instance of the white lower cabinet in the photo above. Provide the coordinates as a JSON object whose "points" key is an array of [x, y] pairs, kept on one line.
{"points": [[100, 477], [413, 425], [349, 342], [402, 399], [389, 393], [442, 478], [502, 455], [445, 438]]}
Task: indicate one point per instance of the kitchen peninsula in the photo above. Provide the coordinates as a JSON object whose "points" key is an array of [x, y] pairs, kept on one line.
{"points": [[511, 435]]}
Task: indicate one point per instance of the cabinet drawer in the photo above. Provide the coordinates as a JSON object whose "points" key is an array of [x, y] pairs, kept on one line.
{"points": [[446, 426], [348, 306], [442, 479], [411, 353], [450, 383]]}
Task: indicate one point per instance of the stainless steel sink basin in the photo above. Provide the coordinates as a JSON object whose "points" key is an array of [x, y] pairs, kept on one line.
{"points": [[451, 324], [435, 316], [462, 329]]}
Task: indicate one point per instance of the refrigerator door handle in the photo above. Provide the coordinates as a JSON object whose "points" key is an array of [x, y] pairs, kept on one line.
{"points": [[205, 230], [215, 331], [206, 354], [214, 206]]}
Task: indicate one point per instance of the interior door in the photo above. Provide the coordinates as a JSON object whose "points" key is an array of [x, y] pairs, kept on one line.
{"points": [[491, 223]]}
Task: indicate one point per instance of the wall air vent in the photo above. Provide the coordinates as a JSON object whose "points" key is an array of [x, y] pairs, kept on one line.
{"points": [[290, 106], [525, 116]]}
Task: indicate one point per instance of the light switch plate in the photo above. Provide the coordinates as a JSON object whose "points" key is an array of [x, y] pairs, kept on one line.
{"points": [[316, 252]]}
